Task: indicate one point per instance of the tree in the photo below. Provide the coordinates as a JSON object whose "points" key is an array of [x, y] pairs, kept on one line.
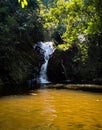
{"points": [[19, 30]]}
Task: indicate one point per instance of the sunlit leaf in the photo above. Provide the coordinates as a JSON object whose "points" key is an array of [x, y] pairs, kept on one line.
{"points": [[25, 2], [22, 4], [19, 1]]}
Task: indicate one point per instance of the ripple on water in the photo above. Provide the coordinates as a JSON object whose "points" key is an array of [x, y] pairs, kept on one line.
{"points": [[45, 127]]}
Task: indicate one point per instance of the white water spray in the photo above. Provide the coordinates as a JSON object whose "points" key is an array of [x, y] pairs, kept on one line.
{"points": [[48, 49]]}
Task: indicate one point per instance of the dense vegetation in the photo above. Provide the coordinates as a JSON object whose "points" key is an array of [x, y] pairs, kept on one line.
{"points": [[19, 30], [77, 24], [74, 26]]}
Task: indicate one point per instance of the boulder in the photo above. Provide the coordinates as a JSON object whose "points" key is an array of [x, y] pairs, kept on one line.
{"points": [[61, 65]]}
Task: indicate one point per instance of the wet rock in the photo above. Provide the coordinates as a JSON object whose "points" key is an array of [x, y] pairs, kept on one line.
{"points": [[61, 65]]}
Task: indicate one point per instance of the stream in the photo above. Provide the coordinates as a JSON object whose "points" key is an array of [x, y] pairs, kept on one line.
{"points": [[51, 109]]}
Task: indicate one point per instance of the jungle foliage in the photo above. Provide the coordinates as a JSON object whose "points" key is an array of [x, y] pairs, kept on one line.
{"points": [[67, 22], [19, 30], [78, 23]]}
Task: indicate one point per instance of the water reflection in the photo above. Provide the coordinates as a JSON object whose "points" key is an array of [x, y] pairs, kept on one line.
{"points": [[48, 106], [49, 109]]}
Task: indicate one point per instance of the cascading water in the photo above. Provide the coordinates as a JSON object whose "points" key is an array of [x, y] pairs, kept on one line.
{"points": [[48, 49]]}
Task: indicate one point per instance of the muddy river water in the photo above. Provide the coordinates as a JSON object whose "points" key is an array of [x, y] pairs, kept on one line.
{"points": [[51, 109]]}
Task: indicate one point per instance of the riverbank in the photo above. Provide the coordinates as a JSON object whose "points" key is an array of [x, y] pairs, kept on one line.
{"points": [[25, 89], [83, 87]]}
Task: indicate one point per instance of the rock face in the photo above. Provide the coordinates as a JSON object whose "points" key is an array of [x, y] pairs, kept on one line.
{"points": [[38, 60], [61, 65], [67, 65], [55, 70]]}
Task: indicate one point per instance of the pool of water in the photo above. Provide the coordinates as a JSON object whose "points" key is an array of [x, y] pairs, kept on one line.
{"points": [[51, 109]]}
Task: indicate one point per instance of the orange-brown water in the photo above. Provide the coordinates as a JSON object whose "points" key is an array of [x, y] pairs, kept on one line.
{"points": [[51, 109]]}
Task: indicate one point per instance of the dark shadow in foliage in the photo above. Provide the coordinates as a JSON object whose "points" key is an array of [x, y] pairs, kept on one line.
{"points": [[19, 30]]}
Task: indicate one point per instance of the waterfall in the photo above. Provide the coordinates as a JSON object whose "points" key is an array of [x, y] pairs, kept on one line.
{"points": [[48, 49]]}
